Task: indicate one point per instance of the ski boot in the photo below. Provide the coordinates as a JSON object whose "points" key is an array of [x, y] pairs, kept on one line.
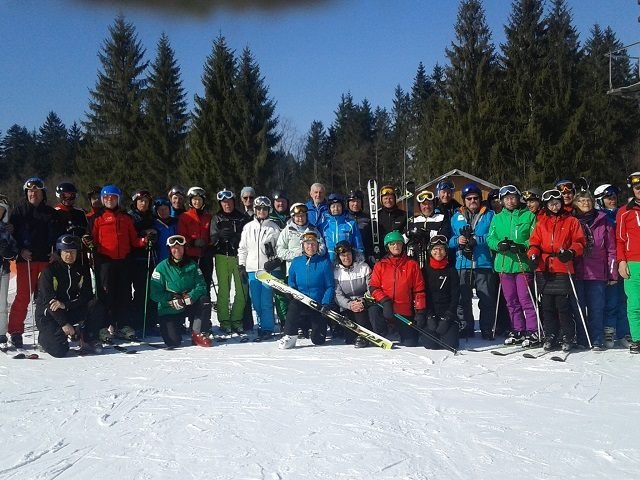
{"points": [[361, 342], [127, 333], [514, 338], [549, 343], [531, 340], [625, 342], [201, 339], [16, 340], [105, 336], [568, 343], [609, 337], [287, 342], [634, 347]]}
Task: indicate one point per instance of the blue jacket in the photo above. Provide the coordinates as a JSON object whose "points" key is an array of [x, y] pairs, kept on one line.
{"points": [[313, 276], [336, 228], [481, 253], [165, 230], [315, 215]]}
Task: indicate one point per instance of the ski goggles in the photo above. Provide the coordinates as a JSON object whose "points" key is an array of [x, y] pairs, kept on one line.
{"points": [[508, 190], [551, 195], [225, 195], [141, 194], [438, 240], [444, 185], [343, 247], [567, 187], [67, 196], [34, 184], [309, 237], [387, 190], [262, 202], [529, 195], [634, 180], [425, 195], [174, 240], [298, 208]]}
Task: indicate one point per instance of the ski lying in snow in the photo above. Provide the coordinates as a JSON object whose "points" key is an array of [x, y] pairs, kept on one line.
{"points": [[372, 188], [121, 349], [23, 354], [489, 348], [538, 355], [277, 284], [504, 353], [561, 358]]}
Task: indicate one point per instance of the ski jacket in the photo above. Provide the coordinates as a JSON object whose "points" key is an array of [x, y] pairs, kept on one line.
{"points": [[226, 230], [34, 229], [628, 233], [176, 212], [288, 245], [142, 222], [114, 234], [434, 224], [611, 214], [279, 219], [551, 234], [336, 228], [252, 252], [480, 224], [313, 276], [351, 282], [195, 225], [170, 278], [443, 290], [515, 225], [70, 220], [599, 261], [390, 219], [316, 214], [165, 228], [69, 284], [400, 280], [447, 209], [364, 225], [8, 248]]}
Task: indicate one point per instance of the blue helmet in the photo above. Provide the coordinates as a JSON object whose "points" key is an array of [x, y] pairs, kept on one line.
{"points": [[159, 202], [444, 185], [335, 198], [67, 242], [111, 190], [470, 188]]}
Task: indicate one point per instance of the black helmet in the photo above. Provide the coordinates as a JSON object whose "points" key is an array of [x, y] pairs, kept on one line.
{"points": [[66, 189], [280, 195], [342, 246], [175, 190], [355, 195]]}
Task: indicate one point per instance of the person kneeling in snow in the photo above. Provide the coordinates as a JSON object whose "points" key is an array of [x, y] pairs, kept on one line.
{"points": [[64, 293], [312, 275], [177, 284]]}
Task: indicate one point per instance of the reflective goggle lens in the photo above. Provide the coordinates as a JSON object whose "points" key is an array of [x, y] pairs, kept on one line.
{"points": [[176, 240], [299, 209], [438, 240], [527, 195], [34, 185], [387, 191], [567, 187], [340, 249], [508, 190], [225, 195], [424, 196], [309, 237], [634, 180]]}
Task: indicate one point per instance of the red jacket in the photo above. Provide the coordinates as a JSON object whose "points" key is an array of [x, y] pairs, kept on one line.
{"points": [[195, 224], [114, 234], [400, 280], [551, 234], [628, 233]]}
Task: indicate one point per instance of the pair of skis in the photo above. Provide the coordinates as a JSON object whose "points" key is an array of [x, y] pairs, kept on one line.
{"points": [[506, 350]]}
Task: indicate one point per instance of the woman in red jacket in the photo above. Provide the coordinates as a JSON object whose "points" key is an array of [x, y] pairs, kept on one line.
{"points": [[555, 241], [397, 283]]}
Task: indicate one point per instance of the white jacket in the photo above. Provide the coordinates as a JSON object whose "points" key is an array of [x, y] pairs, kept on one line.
{"points": [[255, 234], [289, 246]]}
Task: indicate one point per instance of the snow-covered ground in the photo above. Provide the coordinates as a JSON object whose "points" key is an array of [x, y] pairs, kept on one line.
{"points": [[251, 411]]}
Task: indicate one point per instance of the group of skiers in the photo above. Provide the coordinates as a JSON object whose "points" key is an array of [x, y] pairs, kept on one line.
{"points": [[546, 267]]}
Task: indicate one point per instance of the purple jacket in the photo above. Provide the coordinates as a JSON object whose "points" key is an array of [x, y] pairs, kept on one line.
{"points": [[599, 262]]}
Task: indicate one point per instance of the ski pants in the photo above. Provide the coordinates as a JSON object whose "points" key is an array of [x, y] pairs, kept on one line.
{"points": [[172, 326], [50, 335], [4, 302], [408, 335], [115, 290], [280, 301], [616, 309], [449, 337], [299, 315], [226, 271], [592, 299], [140, 276], [632, 289], [361, 318], [262, 301], [516, 288], [18, 313], [484, 281]]}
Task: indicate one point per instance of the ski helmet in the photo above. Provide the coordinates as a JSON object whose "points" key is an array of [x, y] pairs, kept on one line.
{"points": [[110, 190], [33, 183], [280, 195], [342, 246], [309, 235], [445, 184], [507, 190], [388, 190], [176, 190], [335, 198], [583, 184], [356, 195], [298, 208], [553, 194], [633, 179], [196, 192], [565, 186], [66, 191], [531, 194], [470, 188], [67, 242], [138, 194], [160, 202], [262, 202], [494, 194], [393, 236]]}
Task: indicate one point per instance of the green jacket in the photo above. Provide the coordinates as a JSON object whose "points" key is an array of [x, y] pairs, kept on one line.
{"points": [[170, 278], [517, 226]]}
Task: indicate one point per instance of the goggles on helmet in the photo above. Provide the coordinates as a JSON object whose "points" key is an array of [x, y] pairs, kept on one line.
{"points": [[567, 187], [298, 208], [387, 190], [34, 184], [508, 190], [529, 195], [343, 247], [425, 195], [225, 195], [262, 202], [438, 240], [174, 240]]}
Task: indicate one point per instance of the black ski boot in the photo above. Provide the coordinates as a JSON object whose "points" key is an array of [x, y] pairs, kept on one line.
{"points": [[634, 347]]}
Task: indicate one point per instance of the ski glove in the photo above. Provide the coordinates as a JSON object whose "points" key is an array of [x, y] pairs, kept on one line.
{"points": [[244, 276], [177, 303], [387, 309], [199, 243], [432, 323], [187, 300], [150, 236], [271, 265], [420, 319], [505, 245], [443, 325], [517, 248], [565, 256], [533, 261]]}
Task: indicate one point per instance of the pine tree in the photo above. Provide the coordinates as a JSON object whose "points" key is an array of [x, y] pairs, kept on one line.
{"points": [[401, 167], [53, 147], [212, 136], [18, 153], [382, 143], [166, 119], [114, 123], [315, 161]]}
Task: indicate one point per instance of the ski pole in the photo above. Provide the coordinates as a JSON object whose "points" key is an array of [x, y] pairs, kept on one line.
{"points": [[33, 320], [584, 323], [534, 301], [146, 292], [495, 316]]}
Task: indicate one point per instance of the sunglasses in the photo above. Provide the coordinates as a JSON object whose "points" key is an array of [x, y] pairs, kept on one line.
{"points": [[174, 240], [424, 196], [472, 199], [225, 195], [34, 185], [248, 198], [508, 190], [551, 195]]}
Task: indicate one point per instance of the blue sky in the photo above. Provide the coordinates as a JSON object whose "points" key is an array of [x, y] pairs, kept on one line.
{"points": [[308, 56]]}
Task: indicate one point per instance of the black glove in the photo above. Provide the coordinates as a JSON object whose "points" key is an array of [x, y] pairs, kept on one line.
{"points": [[271, 265], [226, 234], [326, 309], [443, 325], [4, 244], [471, 243], [432, 323], [461, 325], [244, 276], [268, 248], [420, 319], [150, 236], [533, 261], [505, 245], [199, 243], [565, 256], [387, 309], [518, 248], [466, 231]]}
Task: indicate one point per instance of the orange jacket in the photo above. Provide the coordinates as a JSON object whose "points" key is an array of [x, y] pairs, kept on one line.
{"points": [[400, 280], [194, 224], [551, 234], [114, 234]]}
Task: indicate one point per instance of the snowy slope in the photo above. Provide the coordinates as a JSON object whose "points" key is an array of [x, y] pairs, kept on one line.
{"points": [[250, 411]]}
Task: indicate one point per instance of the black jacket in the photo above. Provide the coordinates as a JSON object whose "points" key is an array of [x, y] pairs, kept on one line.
{"points": [[34, 230], [226, 229], [443, 290], [390, 219], [70, 284]]}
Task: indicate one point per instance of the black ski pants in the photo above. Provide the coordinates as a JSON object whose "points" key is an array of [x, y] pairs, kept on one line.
{"points": [[299, 315], [172, 326], [115, 290], [140, 276], [408, 335], [361, 318], [50, 335]]}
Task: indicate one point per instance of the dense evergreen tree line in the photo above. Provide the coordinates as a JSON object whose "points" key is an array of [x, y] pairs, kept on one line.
{"points": [[531, 111]]}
